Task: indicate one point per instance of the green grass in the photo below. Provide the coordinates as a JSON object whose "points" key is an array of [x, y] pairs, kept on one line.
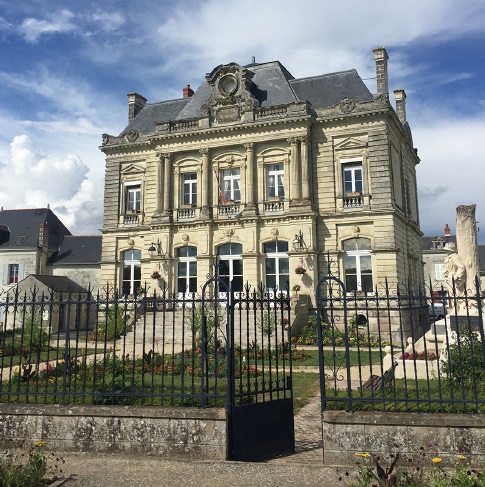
{"points": [[364, 357], [48, 355], [305, 387]]}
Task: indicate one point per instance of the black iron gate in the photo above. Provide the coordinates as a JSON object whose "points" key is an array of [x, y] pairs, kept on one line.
{"points": [[259, 373]]}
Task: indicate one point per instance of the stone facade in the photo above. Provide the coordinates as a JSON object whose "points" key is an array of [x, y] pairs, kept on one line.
{"points": [[343, 162]]}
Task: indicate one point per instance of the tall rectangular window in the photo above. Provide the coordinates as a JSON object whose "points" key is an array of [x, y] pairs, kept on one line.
{"points": [[190, 189], [133, 198], [275, 175], [439, 270], [352, 175], [231, 185], [13, 273]]}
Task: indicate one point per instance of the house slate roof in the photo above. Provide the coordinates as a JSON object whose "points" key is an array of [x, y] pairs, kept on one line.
{"points": [[19, 229], [78, 249], [59, 284], [272, 85]]}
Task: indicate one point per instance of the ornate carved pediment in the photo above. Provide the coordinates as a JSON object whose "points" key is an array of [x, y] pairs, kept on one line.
{"points": [[351, 143], [230, 92], [132, 169]]}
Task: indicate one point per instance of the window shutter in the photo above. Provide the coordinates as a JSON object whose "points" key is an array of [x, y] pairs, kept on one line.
{"points": [[5, 277], [21, 271]]}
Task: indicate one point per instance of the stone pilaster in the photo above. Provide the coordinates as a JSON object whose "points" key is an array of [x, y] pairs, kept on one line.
{"points": [[251, 207], [295, 187], [159, 176], [166, 213], [205, 211], [305, 172]]}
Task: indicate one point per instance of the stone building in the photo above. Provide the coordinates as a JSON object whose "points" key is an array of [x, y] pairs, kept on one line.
{"points": [[267, 175]]}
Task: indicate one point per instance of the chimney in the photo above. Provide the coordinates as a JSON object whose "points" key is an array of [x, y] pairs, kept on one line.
{"points": [[447, 230], [187, 91], [43, 235], [381, 57], [135, 103], [400, 96]]}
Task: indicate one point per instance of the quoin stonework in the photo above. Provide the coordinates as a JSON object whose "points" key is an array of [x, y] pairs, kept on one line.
{"points": [[267, 176]]}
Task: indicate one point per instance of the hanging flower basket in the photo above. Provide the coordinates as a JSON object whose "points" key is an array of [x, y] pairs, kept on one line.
{"points": [[300, 270], [156, 275], [296, 287]]}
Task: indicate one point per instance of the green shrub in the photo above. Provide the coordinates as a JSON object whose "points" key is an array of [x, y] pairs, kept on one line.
{"points": [[35, 338], [113, 326], [215, 323], [464, 364]]}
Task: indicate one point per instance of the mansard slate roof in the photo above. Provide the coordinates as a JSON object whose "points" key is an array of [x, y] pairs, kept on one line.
{"points": [[272, 85], [19, 229], [78, 249]]}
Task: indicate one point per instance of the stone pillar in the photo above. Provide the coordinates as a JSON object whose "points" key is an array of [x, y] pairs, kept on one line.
{"points": [[295, 188], [205, 212], [305, 172], [167, 185], [251, 207], [466, 241]]}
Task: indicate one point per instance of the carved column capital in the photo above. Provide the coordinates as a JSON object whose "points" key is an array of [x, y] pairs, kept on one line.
{"points": [[302, 139], [249, 146], [292, 140], [163, 155], [204, 151]]}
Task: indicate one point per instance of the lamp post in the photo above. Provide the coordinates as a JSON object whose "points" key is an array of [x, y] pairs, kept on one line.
{"points": [[298, 242], [155, 249]]}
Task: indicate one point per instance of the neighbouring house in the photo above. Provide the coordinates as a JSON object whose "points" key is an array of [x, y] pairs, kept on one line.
{"points": [[266, 177], [28, 238], [434, 257], [56, 301]]}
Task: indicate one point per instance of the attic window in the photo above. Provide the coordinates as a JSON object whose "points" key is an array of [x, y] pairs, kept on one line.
{"points": [[21, 239]]}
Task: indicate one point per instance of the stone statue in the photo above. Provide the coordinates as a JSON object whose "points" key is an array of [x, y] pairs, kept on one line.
{"points": [[455, 272]]}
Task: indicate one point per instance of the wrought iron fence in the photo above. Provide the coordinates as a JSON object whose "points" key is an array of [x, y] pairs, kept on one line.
{"points": [[162, 349], [401, 349]]}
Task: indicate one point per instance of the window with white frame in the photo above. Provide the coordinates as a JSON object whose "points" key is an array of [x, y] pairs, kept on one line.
{"points": [[439, 270], [187, 269], [12, 273], [277, 265], [231, 190], [352, 177], [131, 271], [231, 265], [133, 198], [275, 180], [189, 182], [358, 265]]}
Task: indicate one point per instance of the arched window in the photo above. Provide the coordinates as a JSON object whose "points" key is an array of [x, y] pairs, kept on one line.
{"points": [[231, 265], [358, 265], [131, 271], [187, 269], [277, 265]]}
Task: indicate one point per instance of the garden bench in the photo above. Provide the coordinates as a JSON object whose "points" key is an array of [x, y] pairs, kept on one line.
{"points": [[377, 382]]}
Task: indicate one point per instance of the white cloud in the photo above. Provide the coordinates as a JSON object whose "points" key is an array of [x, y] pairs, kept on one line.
{"points": [[60, 181], [72, 96], [59, 22], [109, 21], [450, 172]]}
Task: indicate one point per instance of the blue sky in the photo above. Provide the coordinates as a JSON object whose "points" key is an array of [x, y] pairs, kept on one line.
{"points": [[66, 67]]}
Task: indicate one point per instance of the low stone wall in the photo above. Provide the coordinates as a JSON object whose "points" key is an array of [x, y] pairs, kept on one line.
{"points": [[169, 432], [345, 434]]}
